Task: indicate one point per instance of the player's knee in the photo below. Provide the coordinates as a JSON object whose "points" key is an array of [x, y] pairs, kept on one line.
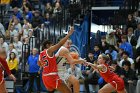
{"points": [[75, 81]]}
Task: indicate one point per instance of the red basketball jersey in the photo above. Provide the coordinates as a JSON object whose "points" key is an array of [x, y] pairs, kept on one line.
{"points": [[107, 75], [1, 74], [49, 63]]}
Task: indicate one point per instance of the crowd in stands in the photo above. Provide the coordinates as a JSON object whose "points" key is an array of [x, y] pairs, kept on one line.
{"points": [[121, 45]]}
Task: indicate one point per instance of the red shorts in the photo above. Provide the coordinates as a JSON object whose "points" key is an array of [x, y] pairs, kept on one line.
{"points": [[118, 83], [51, 82]]}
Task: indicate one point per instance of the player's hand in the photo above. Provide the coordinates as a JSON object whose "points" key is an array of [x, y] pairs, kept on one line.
{"points": [[86, 63], [12, 77], [71, 30]]}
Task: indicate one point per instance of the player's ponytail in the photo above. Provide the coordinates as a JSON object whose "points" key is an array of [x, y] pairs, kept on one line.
{"points": [[106, 58]]}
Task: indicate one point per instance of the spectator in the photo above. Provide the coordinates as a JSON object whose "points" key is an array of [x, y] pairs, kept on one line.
{"points": [[137, 31], [129, 77], [118, 34], [57, 12], [47, 20], [37, 19], [130, 37], [119, 56], [112, 51], [17, 25], [2, 29], [26, 44], [34, 70], [125, 57], [110, 60], [76, 71], [136, 17], [26, 27], [48, 8], [13, 63], [126, 46], [28, 14], [130, 22], [26, 4], [31, 33], [104, 45], [18, 45], [96, 51], [17, 13], [13, 32], [12, 49], [4, 44], [111, 38]]}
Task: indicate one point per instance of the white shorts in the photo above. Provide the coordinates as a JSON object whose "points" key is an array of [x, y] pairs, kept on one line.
{"points": [[64, 76]]}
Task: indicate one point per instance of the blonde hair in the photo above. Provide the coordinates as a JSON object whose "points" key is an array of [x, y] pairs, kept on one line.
{"points": [[105, 57]]}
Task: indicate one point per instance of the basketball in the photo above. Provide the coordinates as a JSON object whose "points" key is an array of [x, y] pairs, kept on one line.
{"points": [[74, 55]]}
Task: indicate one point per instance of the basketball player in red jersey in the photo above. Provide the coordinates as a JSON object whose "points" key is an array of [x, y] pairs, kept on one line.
{"points": [[48, 62], [114, 82], [4, 66]]}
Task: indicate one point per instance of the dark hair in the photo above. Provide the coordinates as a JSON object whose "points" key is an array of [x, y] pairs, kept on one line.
{"points": [[126, 53], [110, 56], [10, 56], [112, 47], [114, 62], [45, 43], [124, 37], [127, 63], [97, 45]]}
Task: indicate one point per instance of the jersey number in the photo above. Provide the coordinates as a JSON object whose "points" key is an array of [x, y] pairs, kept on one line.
{"points": [[45, 61]]}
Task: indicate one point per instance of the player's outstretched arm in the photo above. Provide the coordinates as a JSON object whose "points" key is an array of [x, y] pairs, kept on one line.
{"points": [[61, 42], [95, 66]]}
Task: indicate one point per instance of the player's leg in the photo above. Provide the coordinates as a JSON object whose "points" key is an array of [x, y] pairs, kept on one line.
{"points": [[108, 88], [3, 87], [63, 88], [75, 83]]}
